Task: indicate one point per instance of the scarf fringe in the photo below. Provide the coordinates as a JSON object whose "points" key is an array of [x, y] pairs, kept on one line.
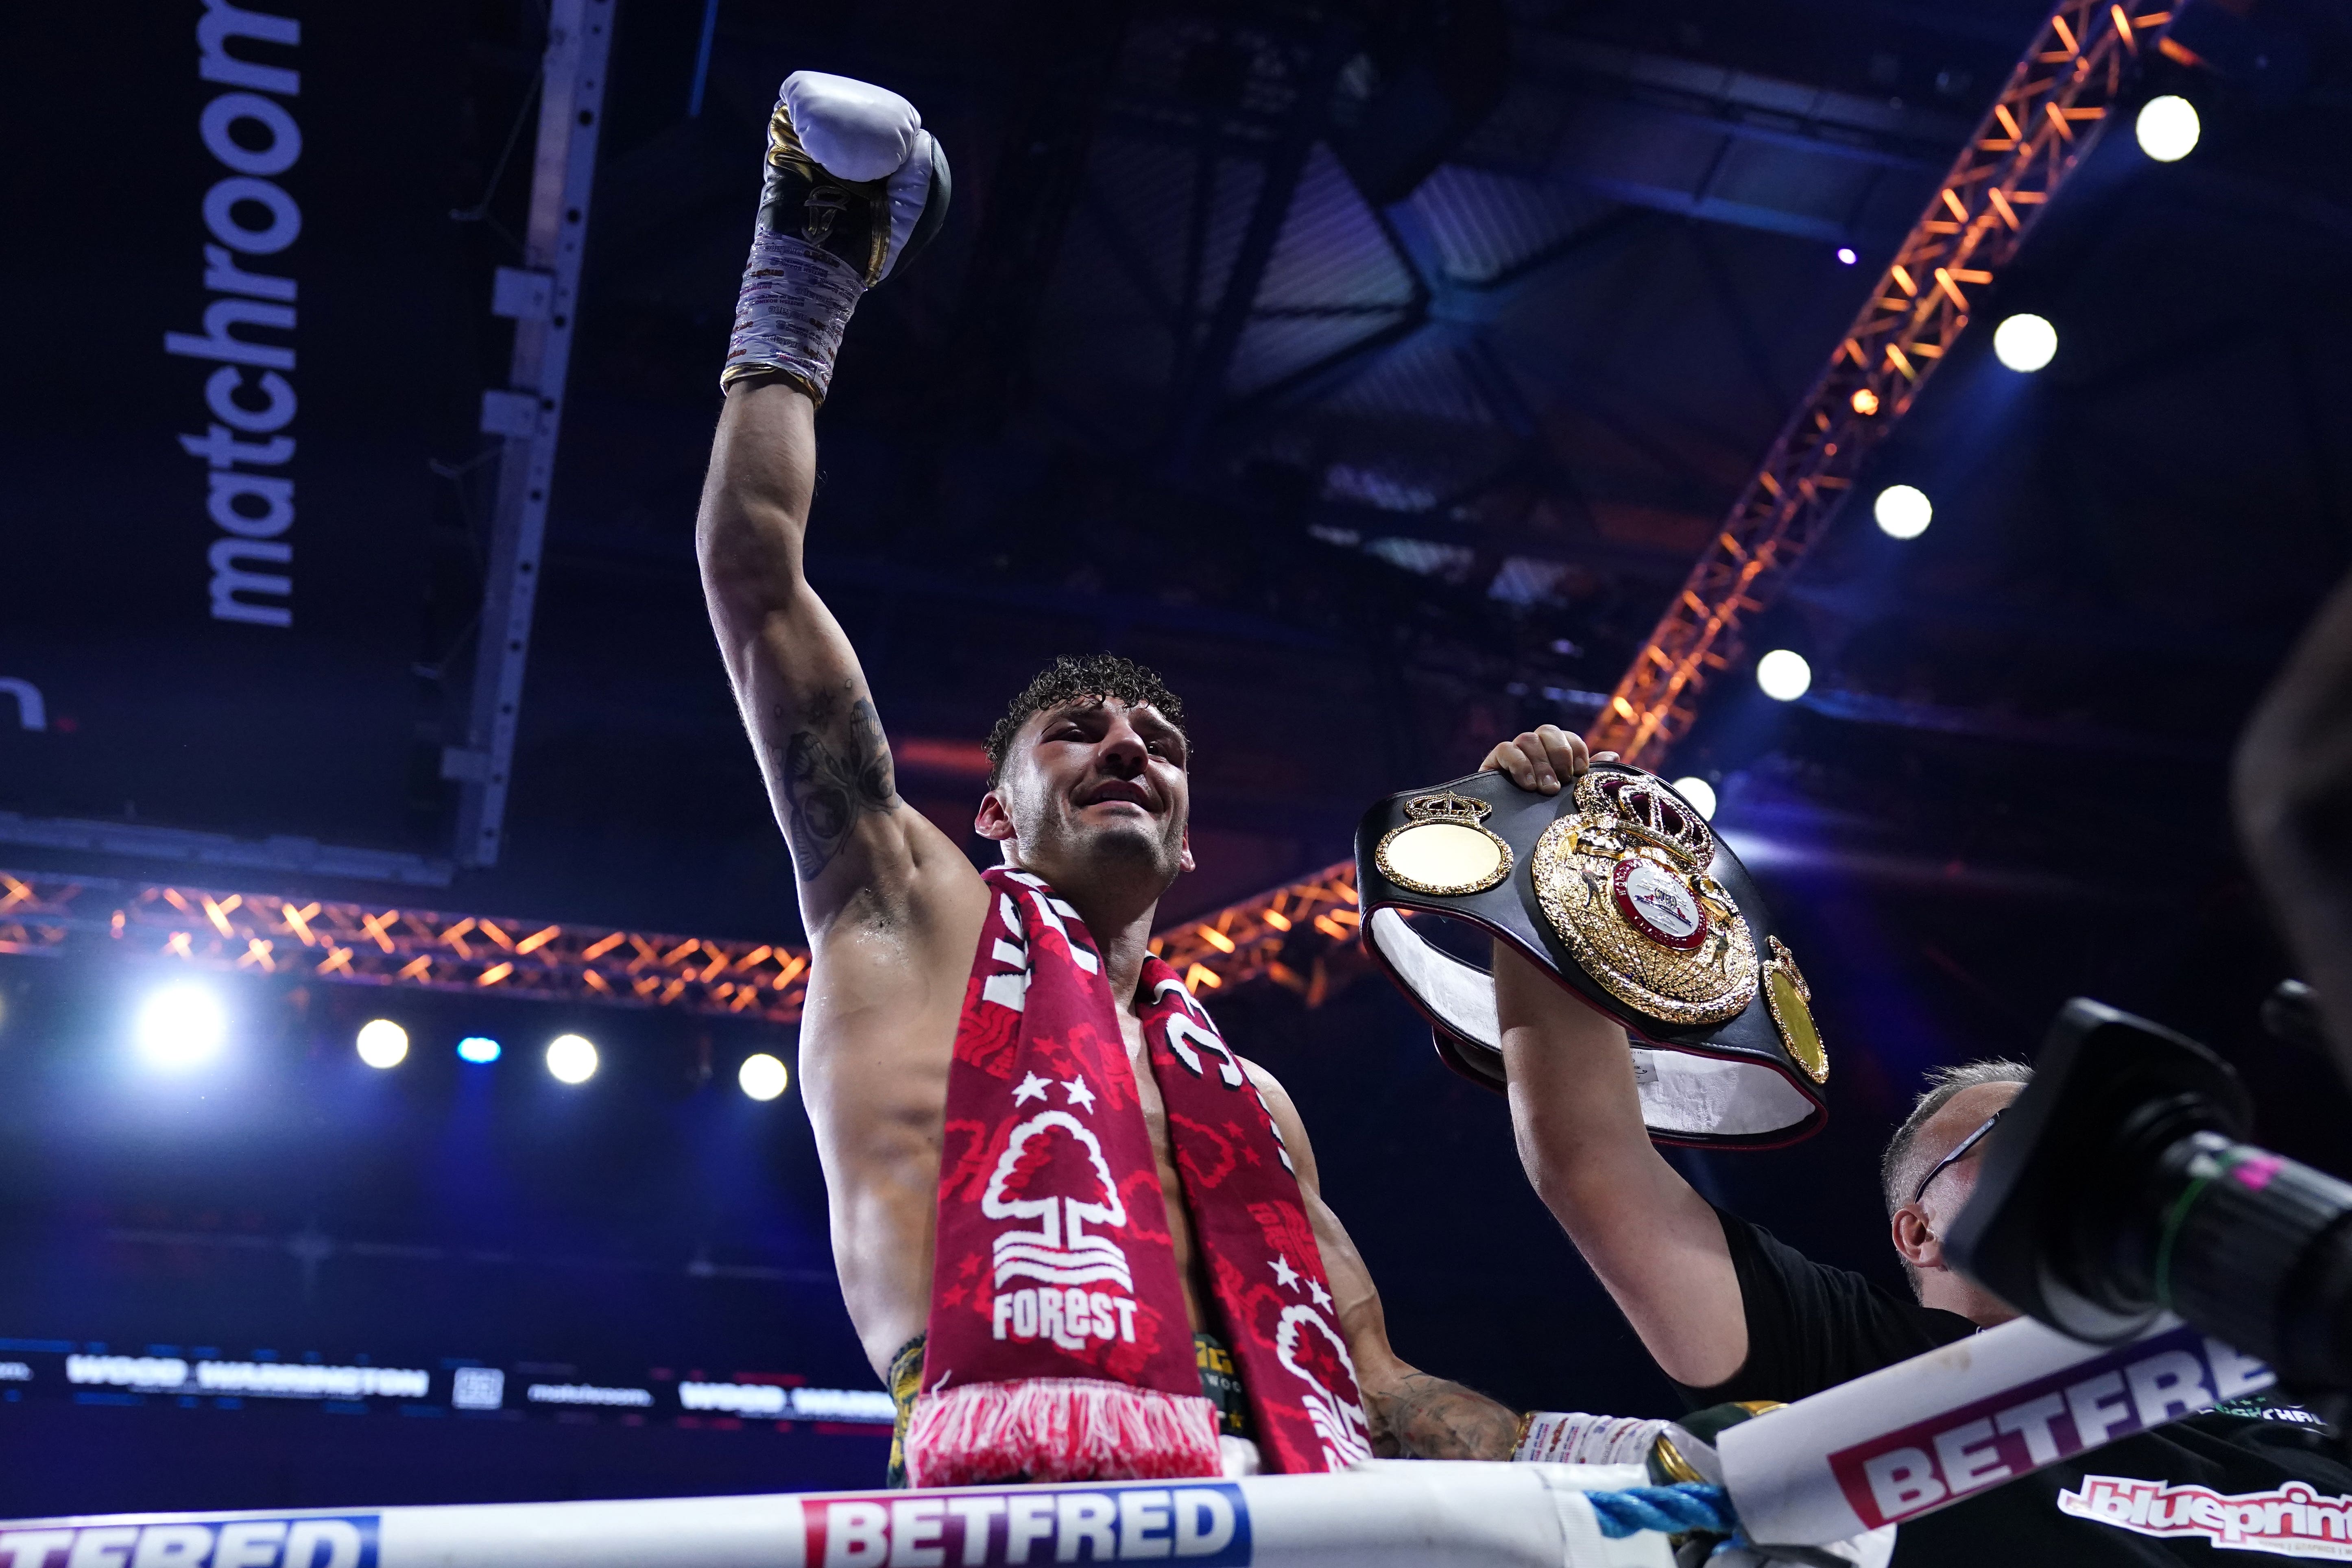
{"points": [[1059, 1429]]}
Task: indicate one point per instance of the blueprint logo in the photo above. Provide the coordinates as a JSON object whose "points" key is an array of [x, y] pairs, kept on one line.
{"points": [[1205, 1524], [303, 1542], [2291, 1520]]}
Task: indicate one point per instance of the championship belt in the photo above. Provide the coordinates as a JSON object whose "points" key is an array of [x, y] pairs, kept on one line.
{"points": [[1620, 891]]}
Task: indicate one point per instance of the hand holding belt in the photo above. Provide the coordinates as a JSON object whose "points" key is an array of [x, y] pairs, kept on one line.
{"points": [[1619, 890]]}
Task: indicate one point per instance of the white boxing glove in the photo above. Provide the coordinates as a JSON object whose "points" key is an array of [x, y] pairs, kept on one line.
{"points": [[854, 187]]}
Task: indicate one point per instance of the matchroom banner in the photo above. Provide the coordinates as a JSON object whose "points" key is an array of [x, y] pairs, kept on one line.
{"points": [[238, 330]]}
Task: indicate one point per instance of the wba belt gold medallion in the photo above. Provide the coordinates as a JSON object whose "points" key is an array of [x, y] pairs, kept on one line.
{"points": [[1620, 891], [1623, 880]]}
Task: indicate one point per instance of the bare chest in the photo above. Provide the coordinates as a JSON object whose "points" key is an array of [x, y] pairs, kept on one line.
{"points": [[1163, 1154], [1147, 1094]]}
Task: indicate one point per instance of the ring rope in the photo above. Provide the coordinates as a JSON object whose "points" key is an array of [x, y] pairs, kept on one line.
{"points": [[1672, 1510]]}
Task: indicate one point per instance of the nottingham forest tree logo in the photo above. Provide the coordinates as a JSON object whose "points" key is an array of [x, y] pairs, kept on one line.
{"points": [[1040, 1156], [1308, 1349]]}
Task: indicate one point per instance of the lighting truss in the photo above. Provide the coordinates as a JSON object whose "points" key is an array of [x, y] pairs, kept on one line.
{"points": [[33, 919], [371, 944], [2040, 130], [1253, 937]]}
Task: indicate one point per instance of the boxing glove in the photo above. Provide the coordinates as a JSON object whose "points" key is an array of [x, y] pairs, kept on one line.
{"points": [[853, 187]]}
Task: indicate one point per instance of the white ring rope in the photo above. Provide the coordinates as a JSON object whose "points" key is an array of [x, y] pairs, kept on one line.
{"points": [[1383, 1514]]}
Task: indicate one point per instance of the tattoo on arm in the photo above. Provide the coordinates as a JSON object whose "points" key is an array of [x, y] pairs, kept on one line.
{"points": [[1425, 1417], [834, 773]]}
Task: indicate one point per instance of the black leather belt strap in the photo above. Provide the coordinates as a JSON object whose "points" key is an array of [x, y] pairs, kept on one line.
{"points": [[1647, 890]]}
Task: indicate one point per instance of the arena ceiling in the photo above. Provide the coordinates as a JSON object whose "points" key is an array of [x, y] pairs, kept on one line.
{"points": [[1380, 371], [1411, 468]]}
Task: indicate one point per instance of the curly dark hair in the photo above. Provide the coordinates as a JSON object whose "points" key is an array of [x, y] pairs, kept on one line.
{"points": [[1097, 675]]}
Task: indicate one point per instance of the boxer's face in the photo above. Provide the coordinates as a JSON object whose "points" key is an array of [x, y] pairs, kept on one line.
{"points": [[1094, 786]]}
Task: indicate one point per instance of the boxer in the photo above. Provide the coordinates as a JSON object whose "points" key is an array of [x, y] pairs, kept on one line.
{"points": [[1079, 1237]]}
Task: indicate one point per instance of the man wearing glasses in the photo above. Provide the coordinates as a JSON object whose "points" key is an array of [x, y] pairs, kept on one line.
{"points": [[1729, 1313]]}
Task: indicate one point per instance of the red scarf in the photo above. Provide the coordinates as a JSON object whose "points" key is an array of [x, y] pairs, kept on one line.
{"points": [[1058, 1347]]}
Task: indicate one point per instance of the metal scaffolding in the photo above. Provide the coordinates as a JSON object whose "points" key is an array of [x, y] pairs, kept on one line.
{"points": [[368, 944], [2039, 131], [371, 944]]}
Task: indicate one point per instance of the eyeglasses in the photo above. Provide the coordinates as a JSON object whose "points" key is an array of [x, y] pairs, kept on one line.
{"points": [[1960, 1148]]}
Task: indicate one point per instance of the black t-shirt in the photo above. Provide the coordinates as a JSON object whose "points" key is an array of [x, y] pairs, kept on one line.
{"points": [[1811, 1327]]}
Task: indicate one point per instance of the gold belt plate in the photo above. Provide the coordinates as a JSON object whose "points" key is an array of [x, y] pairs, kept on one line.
{"points": [[1444, 850], [1790, 1001], [1623, 881]]}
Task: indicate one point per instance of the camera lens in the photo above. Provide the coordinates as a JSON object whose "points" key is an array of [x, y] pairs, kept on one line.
{"points": [[2119, 1186], [2256, 1249]]}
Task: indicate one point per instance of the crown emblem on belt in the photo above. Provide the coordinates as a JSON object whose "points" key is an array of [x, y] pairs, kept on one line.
{"points": [[1648, 811], [1623, 880], [1446, 807]]}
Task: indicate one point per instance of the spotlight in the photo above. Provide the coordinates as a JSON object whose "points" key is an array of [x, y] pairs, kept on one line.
{"points": [[182, 1025], [2167, 128], [1699, 793], [477, 1049], [763, 1077], [2025, 343], [1784, 674], [1903, 512], [1846, 255], [383, 1044], [1866, 402], [572, 1058]]}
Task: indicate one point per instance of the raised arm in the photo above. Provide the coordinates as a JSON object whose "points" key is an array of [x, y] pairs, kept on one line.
{"points": [[853, 186], [1412, 1413], [802, 696], [1657, 1244]]}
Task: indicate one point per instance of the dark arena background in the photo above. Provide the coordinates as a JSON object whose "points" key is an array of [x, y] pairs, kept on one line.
{"points": [[1394, 377]]}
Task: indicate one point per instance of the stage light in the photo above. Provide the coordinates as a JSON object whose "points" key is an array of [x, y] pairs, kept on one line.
{"points": [[2167, 128], [477, 1049], [1784, 674], [182, 1025], [1699, 793], [2025, 343], [572, 1058], [763, 1077], [1866, 402], [382, 1043], [1846, 255], [1903, 511]]}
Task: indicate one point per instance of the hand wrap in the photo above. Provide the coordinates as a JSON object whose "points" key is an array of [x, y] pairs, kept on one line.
{"points": [[789, 315], [853, 187]]}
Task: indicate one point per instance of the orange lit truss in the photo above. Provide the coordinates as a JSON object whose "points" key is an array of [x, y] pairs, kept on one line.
{"points": [[1301, 936], [2040, 131], [371, 944]]}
